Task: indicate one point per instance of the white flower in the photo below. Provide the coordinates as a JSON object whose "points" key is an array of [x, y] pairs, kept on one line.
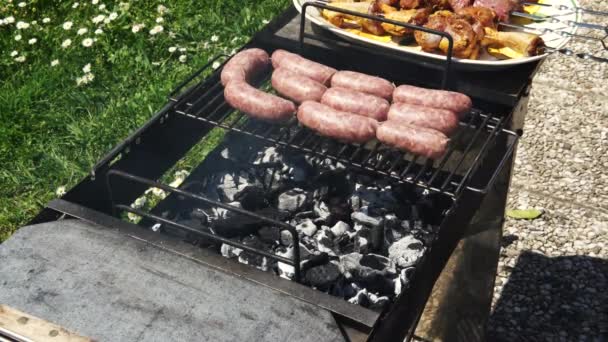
{"points": [[102, 7], [265, 21], [137, 27], [161, 9], [156, 29], [67, 25], [182, 49], [81, 31], [14, 53], [160, 20], [60, 191], [18, 37], [21, 4], [113, 16], [98, 19], [46, 20], [20, 59], [172, 49], [183, 58], [66, 43], [9, 20], [139, 202], [54, 62], [87, 68], [34, 22], [107, 21], [85, 79], [94, 2], [87, 42], [2, 22], [172, 34], [156, 63], [215, 65], [215, 38], [98, 31], [32, 41], [75, 5], [156, 192], [22, 25]]}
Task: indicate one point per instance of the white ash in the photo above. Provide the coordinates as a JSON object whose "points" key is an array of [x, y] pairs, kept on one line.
{"points": [[406, 252]]}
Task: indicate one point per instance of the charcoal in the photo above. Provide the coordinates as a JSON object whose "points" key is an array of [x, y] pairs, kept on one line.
{"points": [[249, 258], [269, 235], [360, 298], [307, 227], [406, 252], [339, 210], [252, 198], [321, 193], [362, 245], [403, 281], [376, 238], [322, 276], [268, 155], [229, 251], [325, 242], [377, 262], [287, 271], [377, 303], [286, 238], [316, 258], [231, 184], [377, 280], [293, 200], [321, 210], [340, 228], [365, 196], [304, 214], [343, 288], [363, 218]]}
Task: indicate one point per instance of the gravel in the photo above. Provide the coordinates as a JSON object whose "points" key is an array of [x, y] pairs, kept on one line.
{"points": [[553, 271]]}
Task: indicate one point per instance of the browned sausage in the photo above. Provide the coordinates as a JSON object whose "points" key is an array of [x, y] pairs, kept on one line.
{"points": [[422, 141], [450, 100], [364, 83], [261, 105], [300, 65], [443, 120], [296, 87], [336, 124], [245, 65], [356, 102]]}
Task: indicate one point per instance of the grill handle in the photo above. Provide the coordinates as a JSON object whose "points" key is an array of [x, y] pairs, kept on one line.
{"points": [[195, 74], [318, 4], [295, 262]]}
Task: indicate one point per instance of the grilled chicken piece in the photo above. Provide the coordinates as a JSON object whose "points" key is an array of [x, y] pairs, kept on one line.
{"points": [[437, 21], [409, 4], [523, 43], [459, 4], [485, 16], [466, 41], [337, 18], [413, 16]]}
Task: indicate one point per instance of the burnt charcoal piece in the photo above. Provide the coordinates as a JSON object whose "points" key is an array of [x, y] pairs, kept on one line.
{"points": [[269, 235], [378, 303], [231, 184], [363, 218], [406, 252], [252, 198], [287, 271], [376, 280], [365, 196], [294, 200], [339, 210], [337, 182], [229, 251], [340, 228], [240, 225], [253, 259], [321, 210], [322, 276], [376, 238], [360, 298], [377, 262], [315, 259], [307, 227], [286, 238], [403, 281], [324, 240], [343, 288]]}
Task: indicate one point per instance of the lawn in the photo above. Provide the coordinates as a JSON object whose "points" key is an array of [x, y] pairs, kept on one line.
{"points": [[77, 77]]}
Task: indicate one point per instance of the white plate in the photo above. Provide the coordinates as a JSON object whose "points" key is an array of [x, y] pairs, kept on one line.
{"points": [[486, 61]]}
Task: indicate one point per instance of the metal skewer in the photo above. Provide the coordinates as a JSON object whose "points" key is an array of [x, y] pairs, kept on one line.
{"points": [[566, 8], [554, 19]]}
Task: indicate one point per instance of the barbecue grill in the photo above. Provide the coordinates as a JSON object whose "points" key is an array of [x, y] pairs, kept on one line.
{"points": [[464, 191]]}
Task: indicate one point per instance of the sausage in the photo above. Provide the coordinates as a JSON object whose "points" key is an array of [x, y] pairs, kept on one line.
{"points": [[443, 120], [336, 124], [363, 83], [245, 65], [443, 99], [356, 102], [422, 141], [259, 104], [296, 87], [300, 65]]}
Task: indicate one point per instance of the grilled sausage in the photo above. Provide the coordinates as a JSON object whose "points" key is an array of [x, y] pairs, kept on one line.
{"points": [[356, 102], [336, 124], [245, 65], [296, 87], [443, 120], [418, 140], [363, 83], [300, 65], [261, 105], [443, 99]]}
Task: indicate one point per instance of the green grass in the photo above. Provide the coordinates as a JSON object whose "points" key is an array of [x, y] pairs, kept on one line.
{"points": [[51, 129]]}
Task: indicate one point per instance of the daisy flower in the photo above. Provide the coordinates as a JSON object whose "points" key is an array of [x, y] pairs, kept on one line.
{"points": [[137, 27], [160, 20], [60, 191], [265, 21], [98, 31], [34, 22], [215, 65], [22, 4], [156, 29], [215, 38], [85, 79], [94, 2], [102, 7], [183, 58], [54, 62], [98, 19], [139, 202], [182, 49], [9, 20], [32, 41], [14, 53], [172, 49], [113, 16], [81, 31], [22, 25], [67, 25], [87, 42], [18, 37], [2, 22], [161, 9], [75, 5], [46, 20], [20, 59], [86, 68], [66, 43]]}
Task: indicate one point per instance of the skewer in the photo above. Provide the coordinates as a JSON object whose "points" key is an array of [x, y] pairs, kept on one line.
{"points": [[566, 8], [558, 32], [553, 19]]}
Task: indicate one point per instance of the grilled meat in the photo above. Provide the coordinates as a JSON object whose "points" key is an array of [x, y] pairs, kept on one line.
{"points": [[502, 8], [437, 21], [412, 16], [459, 4], [523, 43], [485, 17]]}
